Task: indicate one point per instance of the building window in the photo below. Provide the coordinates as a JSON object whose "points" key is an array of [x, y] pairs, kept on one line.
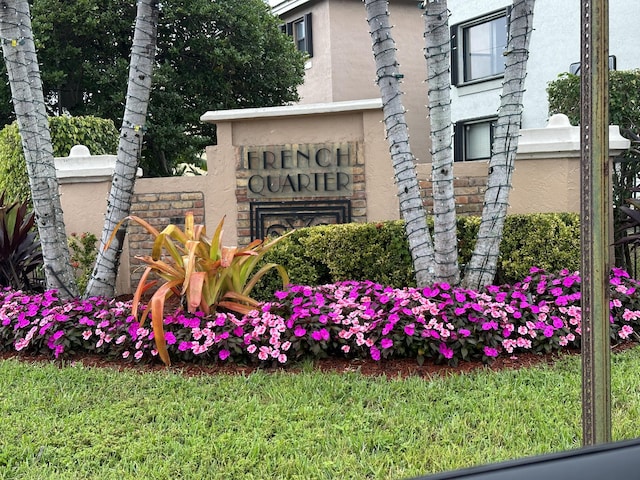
{"points": [[477, 48], [473, 139], [300, 31]]}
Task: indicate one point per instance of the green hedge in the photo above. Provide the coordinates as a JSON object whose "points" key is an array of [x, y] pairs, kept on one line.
{"points": [[380, 252], [99, 135]]}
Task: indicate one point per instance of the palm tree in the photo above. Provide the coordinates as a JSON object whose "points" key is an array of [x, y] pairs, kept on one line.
{"points": [[103, 279], [28, 100], [483, 265], [388, 78], [438, 56]]}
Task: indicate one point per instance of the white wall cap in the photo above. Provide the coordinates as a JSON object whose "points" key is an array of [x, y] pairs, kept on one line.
{"points": [[292, 110], [78, 168], [279, 7], [79, 151], [560, 139]]}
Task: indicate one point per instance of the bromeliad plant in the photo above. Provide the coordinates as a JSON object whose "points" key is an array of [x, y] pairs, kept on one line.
{"points": [[20, 252], [199, 270]]}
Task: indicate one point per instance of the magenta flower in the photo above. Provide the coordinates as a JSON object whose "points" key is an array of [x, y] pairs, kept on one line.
{"points": [[386, 343], [375, 353], [445, 351], [548, 331], [320, 335], [410, 329], [299, 331], [280, 295], [490, 352], [170, 338], [492, 325], [625, 331], [224, 354]]}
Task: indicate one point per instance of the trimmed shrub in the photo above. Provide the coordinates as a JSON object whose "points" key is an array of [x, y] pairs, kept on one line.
{"points": [[99, 135], [379, 252], [550, 241]]}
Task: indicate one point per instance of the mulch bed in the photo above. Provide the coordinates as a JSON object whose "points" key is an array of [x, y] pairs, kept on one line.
{"points": [[390, 368]]}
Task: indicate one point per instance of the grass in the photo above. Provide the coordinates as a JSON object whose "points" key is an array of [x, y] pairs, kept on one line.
{"points": [[81, 423]]}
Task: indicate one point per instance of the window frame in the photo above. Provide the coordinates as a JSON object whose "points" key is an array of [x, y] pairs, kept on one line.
{"points": [[460, 138], [459, 55], [290, 29]]}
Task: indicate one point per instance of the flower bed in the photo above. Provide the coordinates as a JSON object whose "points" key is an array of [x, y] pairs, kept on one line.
{"points": [[352, 319]]}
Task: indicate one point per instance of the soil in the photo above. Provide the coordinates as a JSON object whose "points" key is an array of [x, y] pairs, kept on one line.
{"points": [[389, 368]]}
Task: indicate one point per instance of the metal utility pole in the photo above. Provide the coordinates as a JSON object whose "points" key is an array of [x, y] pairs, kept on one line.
{"points": [[595, 221]]}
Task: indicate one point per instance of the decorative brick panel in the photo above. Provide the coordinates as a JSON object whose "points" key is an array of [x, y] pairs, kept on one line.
{"points": [[159, 210], [468, 191], [310, 173]]}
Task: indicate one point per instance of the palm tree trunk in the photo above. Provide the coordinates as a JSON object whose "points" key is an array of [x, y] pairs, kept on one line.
{"points": [[483, 265], [438, 55], [388, 78], [26, 91], [103, 279]]}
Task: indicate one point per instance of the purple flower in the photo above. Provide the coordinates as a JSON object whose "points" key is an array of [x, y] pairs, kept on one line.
{"points": [[224, 354], [410, 329], [492, 325], [490, 352], [319, 335], [464, 332], [445, 351], [299, 331], [375, 353], [386, 343], [170, 338], [280, 295]]}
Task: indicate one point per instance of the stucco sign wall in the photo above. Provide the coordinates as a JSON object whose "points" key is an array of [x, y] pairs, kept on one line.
{"points": [[300, 170]]}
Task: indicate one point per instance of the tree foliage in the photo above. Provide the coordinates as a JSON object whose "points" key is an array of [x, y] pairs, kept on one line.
{"points": [[211, 56], [624, 111], [99, 135]]}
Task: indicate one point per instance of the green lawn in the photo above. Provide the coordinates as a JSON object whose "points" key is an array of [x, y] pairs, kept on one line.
{"points": [[81, 423]]}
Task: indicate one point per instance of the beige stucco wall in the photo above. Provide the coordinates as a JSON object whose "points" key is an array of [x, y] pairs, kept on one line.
{"points": [[363, 126], [545, 185], [318, 85], [342, 67], [546, 176], [538, 185], [84, 205]]}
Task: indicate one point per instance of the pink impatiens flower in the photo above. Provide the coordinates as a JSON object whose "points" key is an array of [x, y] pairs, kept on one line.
{"points": [[625, 331]]}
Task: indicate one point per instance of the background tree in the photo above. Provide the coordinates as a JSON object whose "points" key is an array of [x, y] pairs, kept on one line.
{"points": [[624, 110], [388, 79], [210, 56]]}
